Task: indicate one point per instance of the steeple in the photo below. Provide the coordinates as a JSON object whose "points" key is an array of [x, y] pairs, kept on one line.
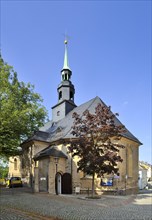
{"points": [[65, 90], [66, 63], [66, 72]]}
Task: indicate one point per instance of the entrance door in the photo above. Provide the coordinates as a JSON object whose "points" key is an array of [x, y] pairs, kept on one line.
{"points": [[58, 183], [66, 183]]}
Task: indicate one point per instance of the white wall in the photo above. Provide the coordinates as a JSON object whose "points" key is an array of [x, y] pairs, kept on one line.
{"points": [[142, 182]]}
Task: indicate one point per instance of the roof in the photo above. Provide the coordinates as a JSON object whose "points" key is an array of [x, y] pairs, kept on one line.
{"points": [[39, 136], [145, 165], [53, 131], [142, 167], [50, 151]]}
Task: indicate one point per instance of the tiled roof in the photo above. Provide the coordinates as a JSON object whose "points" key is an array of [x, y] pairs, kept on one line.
{"points": [[145, 165], [53, 131], [38, 136], [49, 151]]}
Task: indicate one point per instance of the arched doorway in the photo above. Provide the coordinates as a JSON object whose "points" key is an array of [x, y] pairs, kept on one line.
{"points": [[58, 183], [66, 183]]}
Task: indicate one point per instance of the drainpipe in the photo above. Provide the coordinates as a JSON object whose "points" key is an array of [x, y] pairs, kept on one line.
{"points": [[126, 176], [31, 173], [71, 174]]}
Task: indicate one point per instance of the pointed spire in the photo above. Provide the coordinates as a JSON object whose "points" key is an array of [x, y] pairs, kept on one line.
{"points": [[66, 64]]}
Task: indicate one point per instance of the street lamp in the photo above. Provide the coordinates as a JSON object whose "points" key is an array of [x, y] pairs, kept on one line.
{"points": [[56, 160]]}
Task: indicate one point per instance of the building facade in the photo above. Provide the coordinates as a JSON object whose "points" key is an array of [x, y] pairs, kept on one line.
{"points": [[46, 164], [145, 175]]}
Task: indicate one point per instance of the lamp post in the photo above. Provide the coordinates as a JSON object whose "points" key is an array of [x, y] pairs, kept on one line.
{"points": [[56, 160]]}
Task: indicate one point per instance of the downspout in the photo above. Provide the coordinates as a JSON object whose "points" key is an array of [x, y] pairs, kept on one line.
{"points": [[31, 179], [126, 172], [71, 174]]}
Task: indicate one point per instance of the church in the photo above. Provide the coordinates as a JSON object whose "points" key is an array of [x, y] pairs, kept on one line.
{"points": [[47, 166]]}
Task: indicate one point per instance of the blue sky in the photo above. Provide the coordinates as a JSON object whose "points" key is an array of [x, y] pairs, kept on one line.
{"points": [[109, 53]]}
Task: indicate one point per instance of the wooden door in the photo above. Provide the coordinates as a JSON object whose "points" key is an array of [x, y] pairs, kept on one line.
{"points": [[66, 183]]}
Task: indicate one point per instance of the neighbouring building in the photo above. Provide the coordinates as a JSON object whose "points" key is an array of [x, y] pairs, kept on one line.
{"points": [[142, 177], [46, 164], [145, 175]]}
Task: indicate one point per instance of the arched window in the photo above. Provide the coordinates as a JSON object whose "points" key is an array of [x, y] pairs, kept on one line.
{"points": [[60, 95], [129, 160], [66, 77], [15, 164], [71, 95]]}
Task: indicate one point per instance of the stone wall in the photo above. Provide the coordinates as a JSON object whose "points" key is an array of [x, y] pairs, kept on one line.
{"points": [[14, 170]]}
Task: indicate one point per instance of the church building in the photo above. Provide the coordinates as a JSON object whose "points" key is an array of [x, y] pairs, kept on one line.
{"points": [[46, 164]]}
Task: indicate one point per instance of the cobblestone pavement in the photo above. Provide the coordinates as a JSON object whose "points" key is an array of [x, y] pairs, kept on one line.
{"points": [[17, 204]]}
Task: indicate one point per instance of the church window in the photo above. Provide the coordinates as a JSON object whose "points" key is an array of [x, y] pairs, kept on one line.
{"points": [[15, 164], [66, 77], [71, 95], [60, 94], [58, 113], [129, 162]]}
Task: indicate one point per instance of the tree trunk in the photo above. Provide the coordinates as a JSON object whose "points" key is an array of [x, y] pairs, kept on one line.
{"points": [[93, 193]]}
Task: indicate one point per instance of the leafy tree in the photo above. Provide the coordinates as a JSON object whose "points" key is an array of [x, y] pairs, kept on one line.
{"points": [[96, 143], [3, 171], [21, 111]]}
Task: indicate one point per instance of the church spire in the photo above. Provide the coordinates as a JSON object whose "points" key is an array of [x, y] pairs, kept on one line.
{"points": [[66, 71], [66, 63], [65, 91]]}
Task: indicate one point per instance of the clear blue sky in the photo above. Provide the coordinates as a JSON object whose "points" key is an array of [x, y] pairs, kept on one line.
{"points": [[109, 53]]}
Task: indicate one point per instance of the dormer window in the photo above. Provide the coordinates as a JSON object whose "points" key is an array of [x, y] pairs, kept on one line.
{"points": [[59, 129]]}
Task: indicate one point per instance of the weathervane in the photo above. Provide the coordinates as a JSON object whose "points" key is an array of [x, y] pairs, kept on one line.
{"points": [[66, 37]]}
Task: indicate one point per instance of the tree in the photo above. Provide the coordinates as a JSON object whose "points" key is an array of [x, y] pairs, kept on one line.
{"points": [[96, 142], [3, 170], [21, 111]]}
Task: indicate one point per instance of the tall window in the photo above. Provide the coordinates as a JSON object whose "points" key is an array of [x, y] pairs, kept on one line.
{"points": [[129, 160], [71, 95], [60, 94], [66, 77], [15, 164]]}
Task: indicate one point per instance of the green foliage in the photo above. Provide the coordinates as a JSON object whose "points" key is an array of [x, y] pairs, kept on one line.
{"points": [[3, 171], [21, 111], [97, 142]]}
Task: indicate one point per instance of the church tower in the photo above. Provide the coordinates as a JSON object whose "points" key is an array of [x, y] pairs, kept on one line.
{"points": [[65, 91]]}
